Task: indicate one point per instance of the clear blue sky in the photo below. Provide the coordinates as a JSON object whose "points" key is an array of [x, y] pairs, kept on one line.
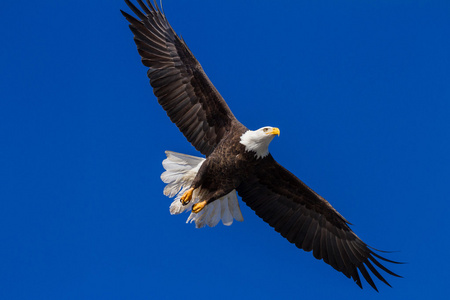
{"points": [[359, 89]]}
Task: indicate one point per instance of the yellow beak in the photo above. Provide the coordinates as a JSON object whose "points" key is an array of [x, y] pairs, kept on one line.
{"points": [[275, 131]]}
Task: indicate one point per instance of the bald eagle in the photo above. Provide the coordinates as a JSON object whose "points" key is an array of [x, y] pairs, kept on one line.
{"points": [[236, 159]]}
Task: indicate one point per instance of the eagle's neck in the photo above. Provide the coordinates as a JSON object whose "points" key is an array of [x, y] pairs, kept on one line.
{"points": [[255, 142]]}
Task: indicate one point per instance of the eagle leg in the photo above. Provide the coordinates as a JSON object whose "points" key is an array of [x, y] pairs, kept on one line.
{"points": [[199, 206], [187, 196]]}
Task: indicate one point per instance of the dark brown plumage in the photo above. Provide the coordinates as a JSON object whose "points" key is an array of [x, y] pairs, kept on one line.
{"points": [[178, 80], [276, 195]]}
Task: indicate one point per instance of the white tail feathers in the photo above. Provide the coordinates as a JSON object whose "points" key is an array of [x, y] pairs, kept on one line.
{"points": [[179, 175]]}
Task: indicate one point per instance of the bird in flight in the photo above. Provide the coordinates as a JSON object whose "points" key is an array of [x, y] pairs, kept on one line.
{"points": [[236, 159]]}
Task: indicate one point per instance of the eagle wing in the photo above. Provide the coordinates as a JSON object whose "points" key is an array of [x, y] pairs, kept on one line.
{"points": [[309, 221], [178, 80]]}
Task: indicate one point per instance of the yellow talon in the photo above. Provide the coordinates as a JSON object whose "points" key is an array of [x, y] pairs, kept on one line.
{"points": [[199, 206], [187, 196]]}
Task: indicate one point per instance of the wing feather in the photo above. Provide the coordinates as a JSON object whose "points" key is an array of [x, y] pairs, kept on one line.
{"points": [[309, 221], [178, 80]]}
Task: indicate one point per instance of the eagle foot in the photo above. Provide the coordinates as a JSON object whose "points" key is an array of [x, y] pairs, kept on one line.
{"points": [[186, 197], [199, 206]]}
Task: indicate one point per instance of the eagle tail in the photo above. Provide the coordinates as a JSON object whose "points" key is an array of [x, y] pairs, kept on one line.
{"points": [[179, 175]]}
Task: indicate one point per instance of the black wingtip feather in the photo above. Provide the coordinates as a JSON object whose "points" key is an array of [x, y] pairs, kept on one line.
{"points": [[129, 17], [150, 5], [367, 277], [356, 278], [144, 7], [388, 260], [379, 265], [135, 9], [376, 273]]}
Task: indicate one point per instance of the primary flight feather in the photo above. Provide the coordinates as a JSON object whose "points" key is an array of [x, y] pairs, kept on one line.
{"points": [[237, 159]]}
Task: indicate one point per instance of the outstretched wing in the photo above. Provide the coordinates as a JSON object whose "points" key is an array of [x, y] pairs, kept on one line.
{"points": [[309, 221], [178, 80]]}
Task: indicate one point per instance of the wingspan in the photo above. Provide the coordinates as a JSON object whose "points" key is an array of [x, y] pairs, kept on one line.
{"points": [[309, 221], [178, 80]]}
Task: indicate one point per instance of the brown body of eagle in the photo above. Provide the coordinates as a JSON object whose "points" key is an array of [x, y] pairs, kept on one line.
{"points": [[276, 195]]}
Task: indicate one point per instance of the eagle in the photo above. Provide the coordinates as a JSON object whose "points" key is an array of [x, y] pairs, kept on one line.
{"points": [[236, 159]]}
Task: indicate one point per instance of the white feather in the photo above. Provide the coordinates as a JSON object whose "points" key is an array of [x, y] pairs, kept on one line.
{"points": [[179, 175], [234, 207], [225, 214], [215, 214], [257, 141]]}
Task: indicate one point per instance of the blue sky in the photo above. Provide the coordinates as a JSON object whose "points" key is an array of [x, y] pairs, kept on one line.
{"points": [[359, 89]]}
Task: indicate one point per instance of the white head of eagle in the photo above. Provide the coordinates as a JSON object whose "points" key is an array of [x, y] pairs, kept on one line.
{"points": [[258, 141]]}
